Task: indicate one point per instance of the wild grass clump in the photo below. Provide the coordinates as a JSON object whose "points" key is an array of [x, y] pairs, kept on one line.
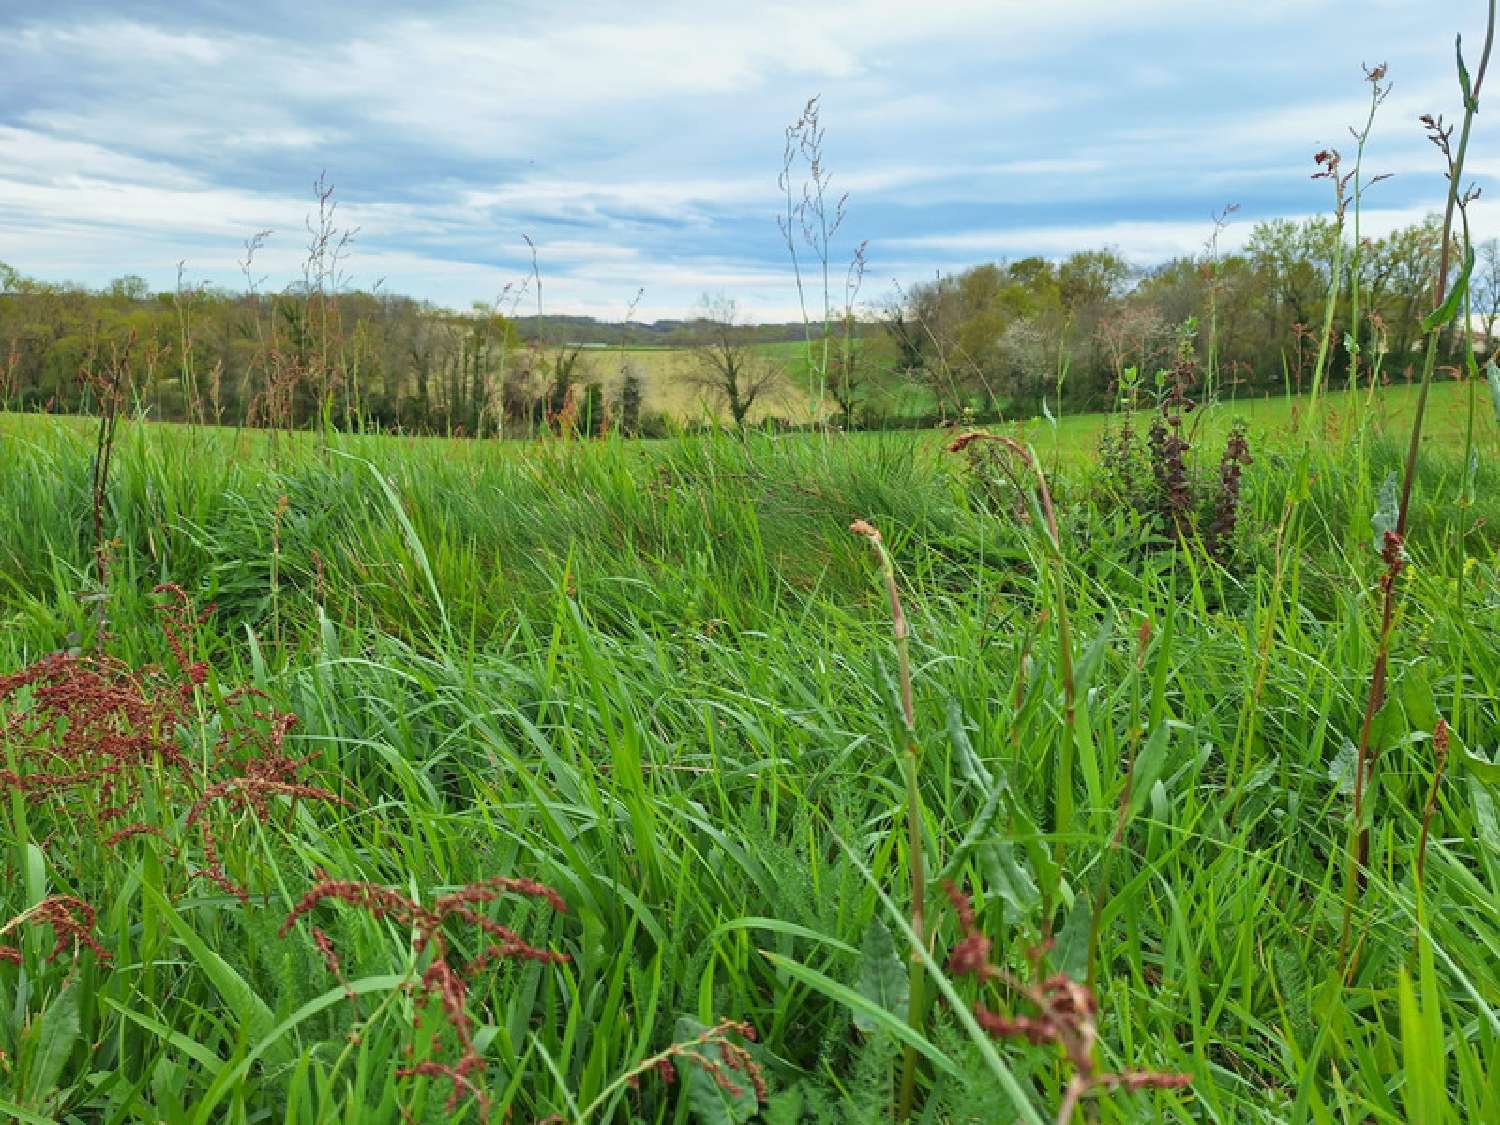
{"points": [[157, 777], [119, 753], [1066, 1016], [1158, 478], [444, 986]]}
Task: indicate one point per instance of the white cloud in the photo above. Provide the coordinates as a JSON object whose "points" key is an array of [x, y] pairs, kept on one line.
{"points": [[112, 40], [1143, 242], [1139, 241], [40, 157], [640, 146]]}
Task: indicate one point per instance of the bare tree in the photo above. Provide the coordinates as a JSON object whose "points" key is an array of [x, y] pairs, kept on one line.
{"points": [[726, 367]]}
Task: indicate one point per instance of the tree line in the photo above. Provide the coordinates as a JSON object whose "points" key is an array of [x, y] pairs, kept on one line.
{"points": [[996, 338], [1007, 337], [300, 358]]}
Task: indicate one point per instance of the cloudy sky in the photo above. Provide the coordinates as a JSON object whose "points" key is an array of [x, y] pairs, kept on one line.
{"points": [[638, 145]]}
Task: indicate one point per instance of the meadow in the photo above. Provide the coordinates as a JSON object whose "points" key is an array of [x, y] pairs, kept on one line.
{"points": [[669, 381], [672, 383], [1112, 768], [424, 779]]}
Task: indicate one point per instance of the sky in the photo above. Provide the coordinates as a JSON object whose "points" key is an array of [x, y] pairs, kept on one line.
{"points": [[638, 146]]}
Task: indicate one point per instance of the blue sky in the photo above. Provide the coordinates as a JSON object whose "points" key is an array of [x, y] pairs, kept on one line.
{"points": [[638, 145]]}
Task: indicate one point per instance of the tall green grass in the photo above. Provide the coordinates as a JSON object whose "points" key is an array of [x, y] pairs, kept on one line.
{"points": [[655, 676]]}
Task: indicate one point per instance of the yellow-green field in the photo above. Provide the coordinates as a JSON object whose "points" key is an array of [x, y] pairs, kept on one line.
{"points": [[667, 377]]}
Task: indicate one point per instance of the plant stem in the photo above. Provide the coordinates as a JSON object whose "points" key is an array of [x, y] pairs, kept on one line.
{"points": [[916, 985], [1359, 852]]}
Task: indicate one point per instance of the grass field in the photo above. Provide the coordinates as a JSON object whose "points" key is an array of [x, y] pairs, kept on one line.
{"points": [[667, 374], [659, 678], [669, 387], [670, 390]]}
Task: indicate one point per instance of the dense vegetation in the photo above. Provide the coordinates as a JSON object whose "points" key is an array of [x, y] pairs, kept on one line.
{"points": [[657, 679], [1135, 765], [994, 340], [1012, 334]]}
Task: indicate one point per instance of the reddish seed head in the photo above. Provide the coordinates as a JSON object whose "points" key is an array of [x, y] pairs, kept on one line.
{"points": [[96, 733], [961, 905], [734, 1061], [1393, 554], [1065, 1016], [132, 830], [970, 956], [441, 982], [72, 921], [1154, 1080]]}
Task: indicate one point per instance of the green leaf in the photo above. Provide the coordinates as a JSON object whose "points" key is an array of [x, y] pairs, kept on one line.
{"points": [[710, 1103], [1449, 308], [15, 1112], [1492, 377], [970, 767], [1486, 822], [1418, 700], [1047, 871], [852, 1000], [1073, 940], [1482, 768], [777, 926], [981, 829], [184, 1043], [1415, 1090], [895, 711], [413, 541], [51, 1044], [1422, 1058], [1464, 82], [257, 658], [329, 637], [1007, 875], [233, 1075], [1341, 769], [36, 874], [1387, 510], [254, 1013], [1093, 657], [1160, 806], [1150, 764], [883, 979], [786, 1106], [1388, 725]]}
